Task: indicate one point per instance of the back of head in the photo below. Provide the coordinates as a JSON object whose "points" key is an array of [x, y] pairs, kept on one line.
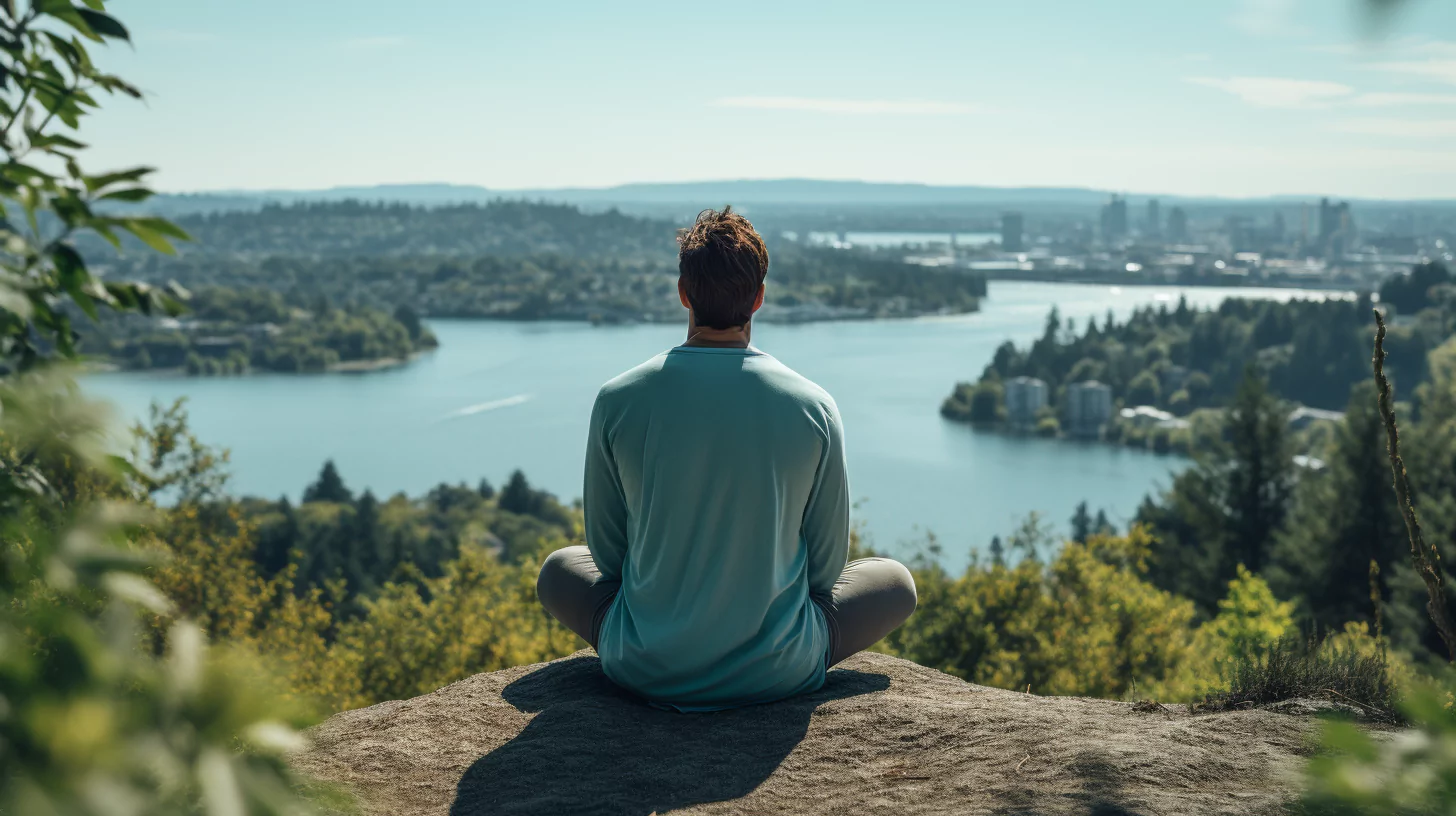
{"points": [[722, 263]]}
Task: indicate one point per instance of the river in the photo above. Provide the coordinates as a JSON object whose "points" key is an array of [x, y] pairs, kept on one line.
{"points": [[498, 396]]}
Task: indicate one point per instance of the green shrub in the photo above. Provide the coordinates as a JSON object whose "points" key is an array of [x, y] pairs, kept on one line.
{"points": [[1412, 772]]}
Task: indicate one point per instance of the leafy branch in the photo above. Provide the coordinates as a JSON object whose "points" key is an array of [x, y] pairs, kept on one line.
{"points": [[48, 84]]}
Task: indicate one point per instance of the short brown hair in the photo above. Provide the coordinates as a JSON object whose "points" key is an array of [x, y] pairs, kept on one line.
{"points": [[722, 262]]}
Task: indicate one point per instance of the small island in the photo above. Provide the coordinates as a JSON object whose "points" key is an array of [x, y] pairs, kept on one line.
{"points": [[235, 331]]}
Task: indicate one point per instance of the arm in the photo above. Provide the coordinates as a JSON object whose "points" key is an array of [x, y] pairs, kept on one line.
{"points": [[826, 517], [604, 506]]}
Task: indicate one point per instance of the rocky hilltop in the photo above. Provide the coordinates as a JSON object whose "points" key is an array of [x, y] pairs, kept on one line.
{"points": [[883, 736]]}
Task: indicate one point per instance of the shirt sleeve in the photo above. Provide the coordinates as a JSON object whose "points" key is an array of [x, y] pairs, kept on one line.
{"points": [[604, 505], [826, 517]]}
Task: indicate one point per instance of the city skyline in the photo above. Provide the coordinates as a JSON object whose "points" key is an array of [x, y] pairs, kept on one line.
{"points": [[1227, 98]]}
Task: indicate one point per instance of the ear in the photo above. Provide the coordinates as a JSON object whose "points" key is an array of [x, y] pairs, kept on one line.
{"points": [[682, 295], [758, 301]]}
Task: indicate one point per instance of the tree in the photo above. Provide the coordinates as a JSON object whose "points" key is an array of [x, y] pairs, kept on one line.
{"points": [[1411, 292], [1260, 473], [1144, 389], [410, 319], [1081, 524], [518, 497], [1342, 519], [367, 542], [96, 721], [329, 487], [276, 540], [485, 490], [1229, 508]]}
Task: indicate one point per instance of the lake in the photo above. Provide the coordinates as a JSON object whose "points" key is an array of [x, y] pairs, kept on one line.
{"points": [[498, 396], [890, 240]]}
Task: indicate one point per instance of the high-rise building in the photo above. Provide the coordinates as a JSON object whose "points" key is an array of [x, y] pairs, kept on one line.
{"points": [[1025, 396], [1114, 219], [1089, 407], [1336, 227], [1329, 222], [1153, 227], [1177, 224], [1012, 230]]}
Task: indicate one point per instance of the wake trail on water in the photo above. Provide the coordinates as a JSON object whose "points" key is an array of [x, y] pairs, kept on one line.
{"points": [[480, 408]]}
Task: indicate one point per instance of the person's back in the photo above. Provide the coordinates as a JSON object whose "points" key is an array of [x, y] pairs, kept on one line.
{"points": [[716, 503], [730, 470]]}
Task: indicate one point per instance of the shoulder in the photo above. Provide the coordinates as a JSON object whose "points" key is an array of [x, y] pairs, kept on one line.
{"points": [[801, 389], [631, 380]]}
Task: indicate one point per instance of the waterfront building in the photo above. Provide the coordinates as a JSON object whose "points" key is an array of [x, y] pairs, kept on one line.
{"points": [[1025, 396], [1089, 407]]}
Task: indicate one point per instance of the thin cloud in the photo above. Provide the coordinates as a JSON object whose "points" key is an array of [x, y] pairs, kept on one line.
{"points": [[857, 107], [1395, 100], [1267, 18], [374, 42], [1276, 92], [173, 35], [1400, 128], [1438, 69]]}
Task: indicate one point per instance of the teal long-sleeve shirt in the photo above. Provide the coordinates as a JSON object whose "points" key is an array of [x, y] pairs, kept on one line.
{"points": [[716, 492]]}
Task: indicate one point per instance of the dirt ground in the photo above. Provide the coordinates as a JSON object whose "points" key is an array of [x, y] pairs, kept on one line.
{"points": [[883, 736]]}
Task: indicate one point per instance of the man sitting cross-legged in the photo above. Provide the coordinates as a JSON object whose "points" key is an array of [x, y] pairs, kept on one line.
{"points": [[717, 510]]}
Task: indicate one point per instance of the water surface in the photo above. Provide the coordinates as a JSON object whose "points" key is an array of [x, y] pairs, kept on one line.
{"points": [[498, 396]]}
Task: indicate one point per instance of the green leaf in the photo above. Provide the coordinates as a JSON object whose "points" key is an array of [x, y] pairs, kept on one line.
{"points": [[136, 589], [104, 24], [45, 141], [13, 300], [71, 271], [108, 233], [129, 194], [65, 48], [178, 290], [165, 227], [67, 14], [148, 236], [101, 182]]}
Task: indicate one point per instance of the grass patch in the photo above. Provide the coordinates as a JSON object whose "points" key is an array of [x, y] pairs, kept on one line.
{"points": [[1308, 669]]}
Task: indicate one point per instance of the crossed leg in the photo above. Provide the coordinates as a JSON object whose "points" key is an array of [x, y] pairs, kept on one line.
{"points": [[872, 597]]}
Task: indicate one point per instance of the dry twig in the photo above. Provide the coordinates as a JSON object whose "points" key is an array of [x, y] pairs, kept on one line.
{"points": [[1426, 558]]}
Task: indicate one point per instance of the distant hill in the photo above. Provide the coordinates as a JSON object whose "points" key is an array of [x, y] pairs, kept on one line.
{"points": [[680, 199]]}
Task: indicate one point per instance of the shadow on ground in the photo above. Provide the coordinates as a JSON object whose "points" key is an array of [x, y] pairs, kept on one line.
{"points": [[595, 749], [1101, 793]]}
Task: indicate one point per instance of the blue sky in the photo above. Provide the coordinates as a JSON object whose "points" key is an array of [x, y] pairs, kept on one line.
{"points": [[1198, 97]]}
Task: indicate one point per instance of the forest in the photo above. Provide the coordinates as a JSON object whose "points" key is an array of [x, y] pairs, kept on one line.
{"points": [[518, 260], [233, 331], [1191, 362]]}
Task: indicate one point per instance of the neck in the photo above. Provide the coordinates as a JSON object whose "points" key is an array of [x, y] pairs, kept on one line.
{"points": [[735, 337]]}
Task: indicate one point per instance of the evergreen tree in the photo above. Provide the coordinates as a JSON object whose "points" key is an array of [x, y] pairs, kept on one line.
{"points": [[367, 543], [329, 487], [1260, 474], [1102, 526], [1342, 519], [1230, 506], [998, 552], [276, 541], [485, 490], [518, 497], [1081, 524]]}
